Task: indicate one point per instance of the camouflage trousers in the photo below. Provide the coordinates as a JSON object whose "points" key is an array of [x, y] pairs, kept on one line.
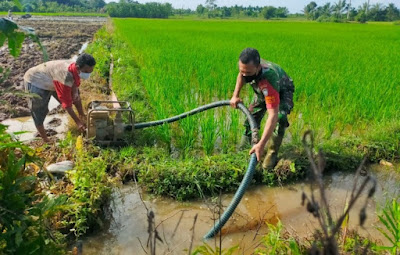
{"points": [[258, 107]]}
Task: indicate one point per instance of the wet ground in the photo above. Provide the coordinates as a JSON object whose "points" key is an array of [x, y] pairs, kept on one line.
{"points": [[55, 124], [63, 37], [127, 230]]}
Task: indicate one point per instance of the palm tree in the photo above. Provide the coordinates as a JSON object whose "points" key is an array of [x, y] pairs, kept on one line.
{"points": [[339, 8], [348, 10], [366, 7], [392, 12], [309, 10]]}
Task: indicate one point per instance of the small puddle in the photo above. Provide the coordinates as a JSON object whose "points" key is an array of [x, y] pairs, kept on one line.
{"points": [[56, 122], [127, 229], [26, 124]]}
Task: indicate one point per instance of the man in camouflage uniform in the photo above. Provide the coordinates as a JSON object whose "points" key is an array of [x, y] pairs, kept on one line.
{"points": [[273, 93]]}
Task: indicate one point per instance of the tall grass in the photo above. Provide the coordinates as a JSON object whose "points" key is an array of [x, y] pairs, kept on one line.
{"points": [[345, 75]]}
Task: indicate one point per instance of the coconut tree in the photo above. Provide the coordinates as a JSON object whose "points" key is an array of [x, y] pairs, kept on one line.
{"points": [[339, 8], [310, 10], [392, 13]]}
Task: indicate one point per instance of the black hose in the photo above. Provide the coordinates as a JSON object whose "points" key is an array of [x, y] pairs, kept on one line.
{"points": [[198, 110], [251, 167]]}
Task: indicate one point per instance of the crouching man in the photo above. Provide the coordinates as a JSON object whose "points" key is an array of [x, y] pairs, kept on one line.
{"points": [[60, 79], [273, 90]]}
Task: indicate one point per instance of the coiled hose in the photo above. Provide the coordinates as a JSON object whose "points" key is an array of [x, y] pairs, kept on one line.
{"points": [[250, 169]]}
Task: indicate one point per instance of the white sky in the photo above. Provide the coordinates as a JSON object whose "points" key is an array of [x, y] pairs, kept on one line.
{"points": [[293, 5]]}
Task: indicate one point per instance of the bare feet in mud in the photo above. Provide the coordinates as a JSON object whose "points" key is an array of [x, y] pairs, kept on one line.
{"points": [[39, 142], [49, 132]]}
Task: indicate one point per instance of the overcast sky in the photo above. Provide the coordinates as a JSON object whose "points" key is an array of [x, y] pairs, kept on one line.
{"points": [[293, 5]]}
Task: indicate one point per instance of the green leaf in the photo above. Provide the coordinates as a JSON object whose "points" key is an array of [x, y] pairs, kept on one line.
{"points": [[293, 167], [18, 238], [386, 235], [392, 227], [7, 26], [36, 39], [15, 41], [3, 38]]}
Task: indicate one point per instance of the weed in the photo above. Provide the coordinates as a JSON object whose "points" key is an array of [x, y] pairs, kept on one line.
{"points": [[390, 218], [26, 214]]}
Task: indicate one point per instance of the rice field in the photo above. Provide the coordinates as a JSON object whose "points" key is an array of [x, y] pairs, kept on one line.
{"points": [[346, 75]]}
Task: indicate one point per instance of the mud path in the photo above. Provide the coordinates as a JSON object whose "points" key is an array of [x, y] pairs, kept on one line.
{"points": [[63, 38]]}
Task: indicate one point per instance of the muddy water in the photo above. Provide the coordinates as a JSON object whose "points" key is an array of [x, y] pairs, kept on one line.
{"points": [[56, 122], [127, 230]]}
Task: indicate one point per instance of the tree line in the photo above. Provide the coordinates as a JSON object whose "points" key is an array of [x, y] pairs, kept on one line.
{"points": [[211, 10], [343, 11], [336, 12], [54, 6], [128, 8]]}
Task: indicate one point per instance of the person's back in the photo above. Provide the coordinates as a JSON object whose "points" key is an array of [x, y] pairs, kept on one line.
{"points": [[59, 79], [43, 75]]}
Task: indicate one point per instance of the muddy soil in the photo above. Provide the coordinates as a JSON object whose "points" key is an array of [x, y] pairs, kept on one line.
{"points": [[62, 38]]}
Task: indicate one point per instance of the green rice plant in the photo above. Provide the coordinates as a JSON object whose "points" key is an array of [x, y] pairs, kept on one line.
{"points": [[339, 75], [223, 134], [208, 134], [390, 218]]}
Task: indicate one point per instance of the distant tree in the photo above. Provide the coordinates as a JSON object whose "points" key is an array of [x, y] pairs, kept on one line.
{"points": [[8, 5], [236, 10], [268, 12], [352, 13], [211, 7], [362, 13], [148, 10], [281, 12], [377, 13], [226, 12], [249, 12], [366, 7], [200, 10], [327, 9], [96, 4], [392, 13], [348, 10], [323, 13], [339, 8], [310, 10], [211, 4]]}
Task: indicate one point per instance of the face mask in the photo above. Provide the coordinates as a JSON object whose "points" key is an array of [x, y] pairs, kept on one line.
{"points": [[250, 78], [84, 76], [254, 77]]}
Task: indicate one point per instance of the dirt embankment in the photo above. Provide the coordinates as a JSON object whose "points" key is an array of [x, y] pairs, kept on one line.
{"points": [[62, 39]]}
